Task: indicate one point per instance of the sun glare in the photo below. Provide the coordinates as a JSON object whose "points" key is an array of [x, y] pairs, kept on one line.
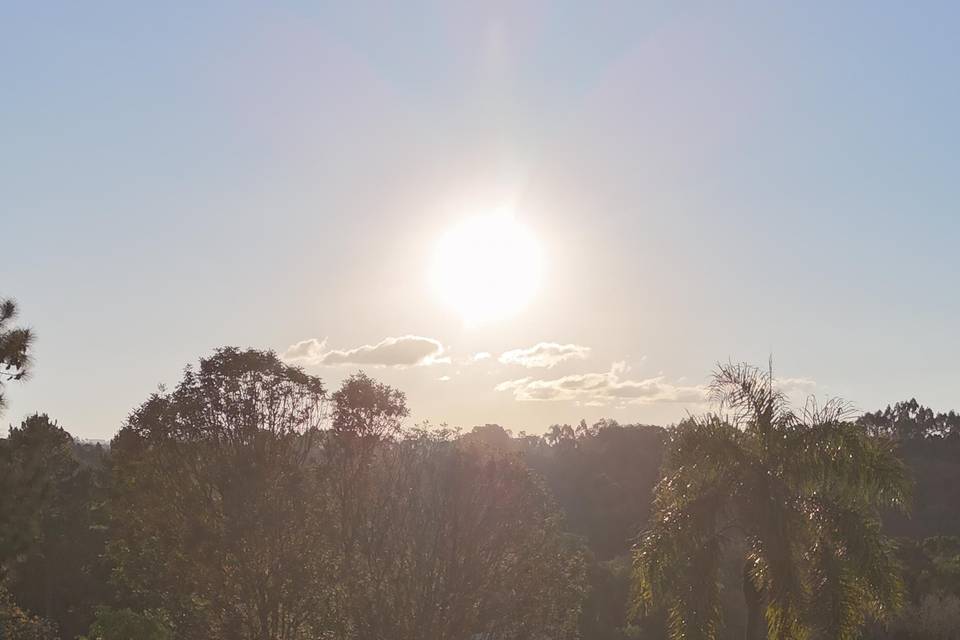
{"points": [[487, 268]]}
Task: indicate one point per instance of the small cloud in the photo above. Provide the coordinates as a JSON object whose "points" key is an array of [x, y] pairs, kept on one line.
{"points": [[611, 387], [509, 385], [483, 355], [544, 355], [796, 385], [444, 378], [403, 351], [305, 351]]}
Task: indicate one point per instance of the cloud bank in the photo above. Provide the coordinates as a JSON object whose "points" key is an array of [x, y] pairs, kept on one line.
{"points": [[403, 351], [603, 388], [544, 355]]}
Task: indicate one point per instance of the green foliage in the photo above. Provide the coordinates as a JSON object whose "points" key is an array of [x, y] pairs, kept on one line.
{"points": [[234, 511], [16, 624], [602, 475], [606, 609], [125, 624], [447, 539], [932, 611], [803, 491], [211, 513], [910, 420], [15, 344], [364, 407], [935, 466], [50, 544]]}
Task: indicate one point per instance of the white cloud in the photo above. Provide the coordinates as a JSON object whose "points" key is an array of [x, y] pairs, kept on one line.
{"points": [[403, 351], [483, 355], [544, 354], [306, 351], [611, 386], [796, 385]]}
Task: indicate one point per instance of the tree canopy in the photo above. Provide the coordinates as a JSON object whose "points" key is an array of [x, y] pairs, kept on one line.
{"points": [[251, 502], [799, 492]]}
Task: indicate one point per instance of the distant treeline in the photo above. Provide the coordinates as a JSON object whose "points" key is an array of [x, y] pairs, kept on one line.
{"points": [[249, 502], [603, 476]]}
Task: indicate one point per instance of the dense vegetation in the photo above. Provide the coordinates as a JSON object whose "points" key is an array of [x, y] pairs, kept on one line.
{"points": [[249, 502]]}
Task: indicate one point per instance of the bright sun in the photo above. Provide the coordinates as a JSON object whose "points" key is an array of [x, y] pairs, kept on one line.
{"points": [[487, 267]]}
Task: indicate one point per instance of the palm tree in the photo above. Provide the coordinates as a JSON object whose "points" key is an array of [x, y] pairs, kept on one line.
{"points": [[799, 491], [14, 347]]}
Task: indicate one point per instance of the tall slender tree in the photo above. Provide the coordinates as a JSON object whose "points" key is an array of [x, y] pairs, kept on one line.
{"points": [[799, 491]]}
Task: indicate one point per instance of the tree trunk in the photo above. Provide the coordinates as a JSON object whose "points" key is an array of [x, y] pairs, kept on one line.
{"points": [[756, 624]]}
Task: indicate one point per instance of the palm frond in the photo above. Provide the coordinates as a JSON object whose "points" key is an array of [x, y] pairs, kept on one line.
{"points": [[852, 559], [803, 488], [677, 565], [839, 459], [750, 395]]}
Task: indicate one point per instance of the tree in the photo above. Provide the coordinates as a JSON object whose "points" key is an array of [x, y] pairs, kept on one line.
{"points": [[560, 434], [493, 436], [910, 420], [447, 540], [801, 493], [14, 347], [366, 408], [49, 542], [603, 480], [934, 464], [606, 610], [212, 512], [932, 571]]}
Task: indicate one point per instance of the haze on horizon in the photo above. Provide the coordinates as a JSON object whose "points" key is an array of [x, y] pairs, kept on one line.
{"points": [[700, 183]]}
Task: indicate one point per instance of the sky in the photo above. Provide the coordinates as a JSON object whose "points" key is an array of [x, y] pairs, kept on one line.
{"points": [[702, 182]]}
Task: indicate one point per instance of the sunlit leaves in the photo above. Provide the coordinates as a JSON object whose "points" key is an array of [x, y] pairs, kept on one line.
{"points": [[803, 490]]}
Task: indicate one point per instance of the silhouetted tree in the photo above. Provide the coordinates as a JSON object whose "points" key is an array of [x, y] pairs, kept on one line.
{"points": [[929, 444], [910, 420], [14, 347], [493, 436], [449, 540], [212, 506], [366, 408], [560, 434], [233, 515], [50, 544], [802, 491], [603, 478]]}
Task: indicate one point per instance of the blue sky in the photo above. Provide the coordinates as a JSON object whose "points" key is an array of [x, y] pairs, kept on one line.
{"points": [[708, 181]]}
